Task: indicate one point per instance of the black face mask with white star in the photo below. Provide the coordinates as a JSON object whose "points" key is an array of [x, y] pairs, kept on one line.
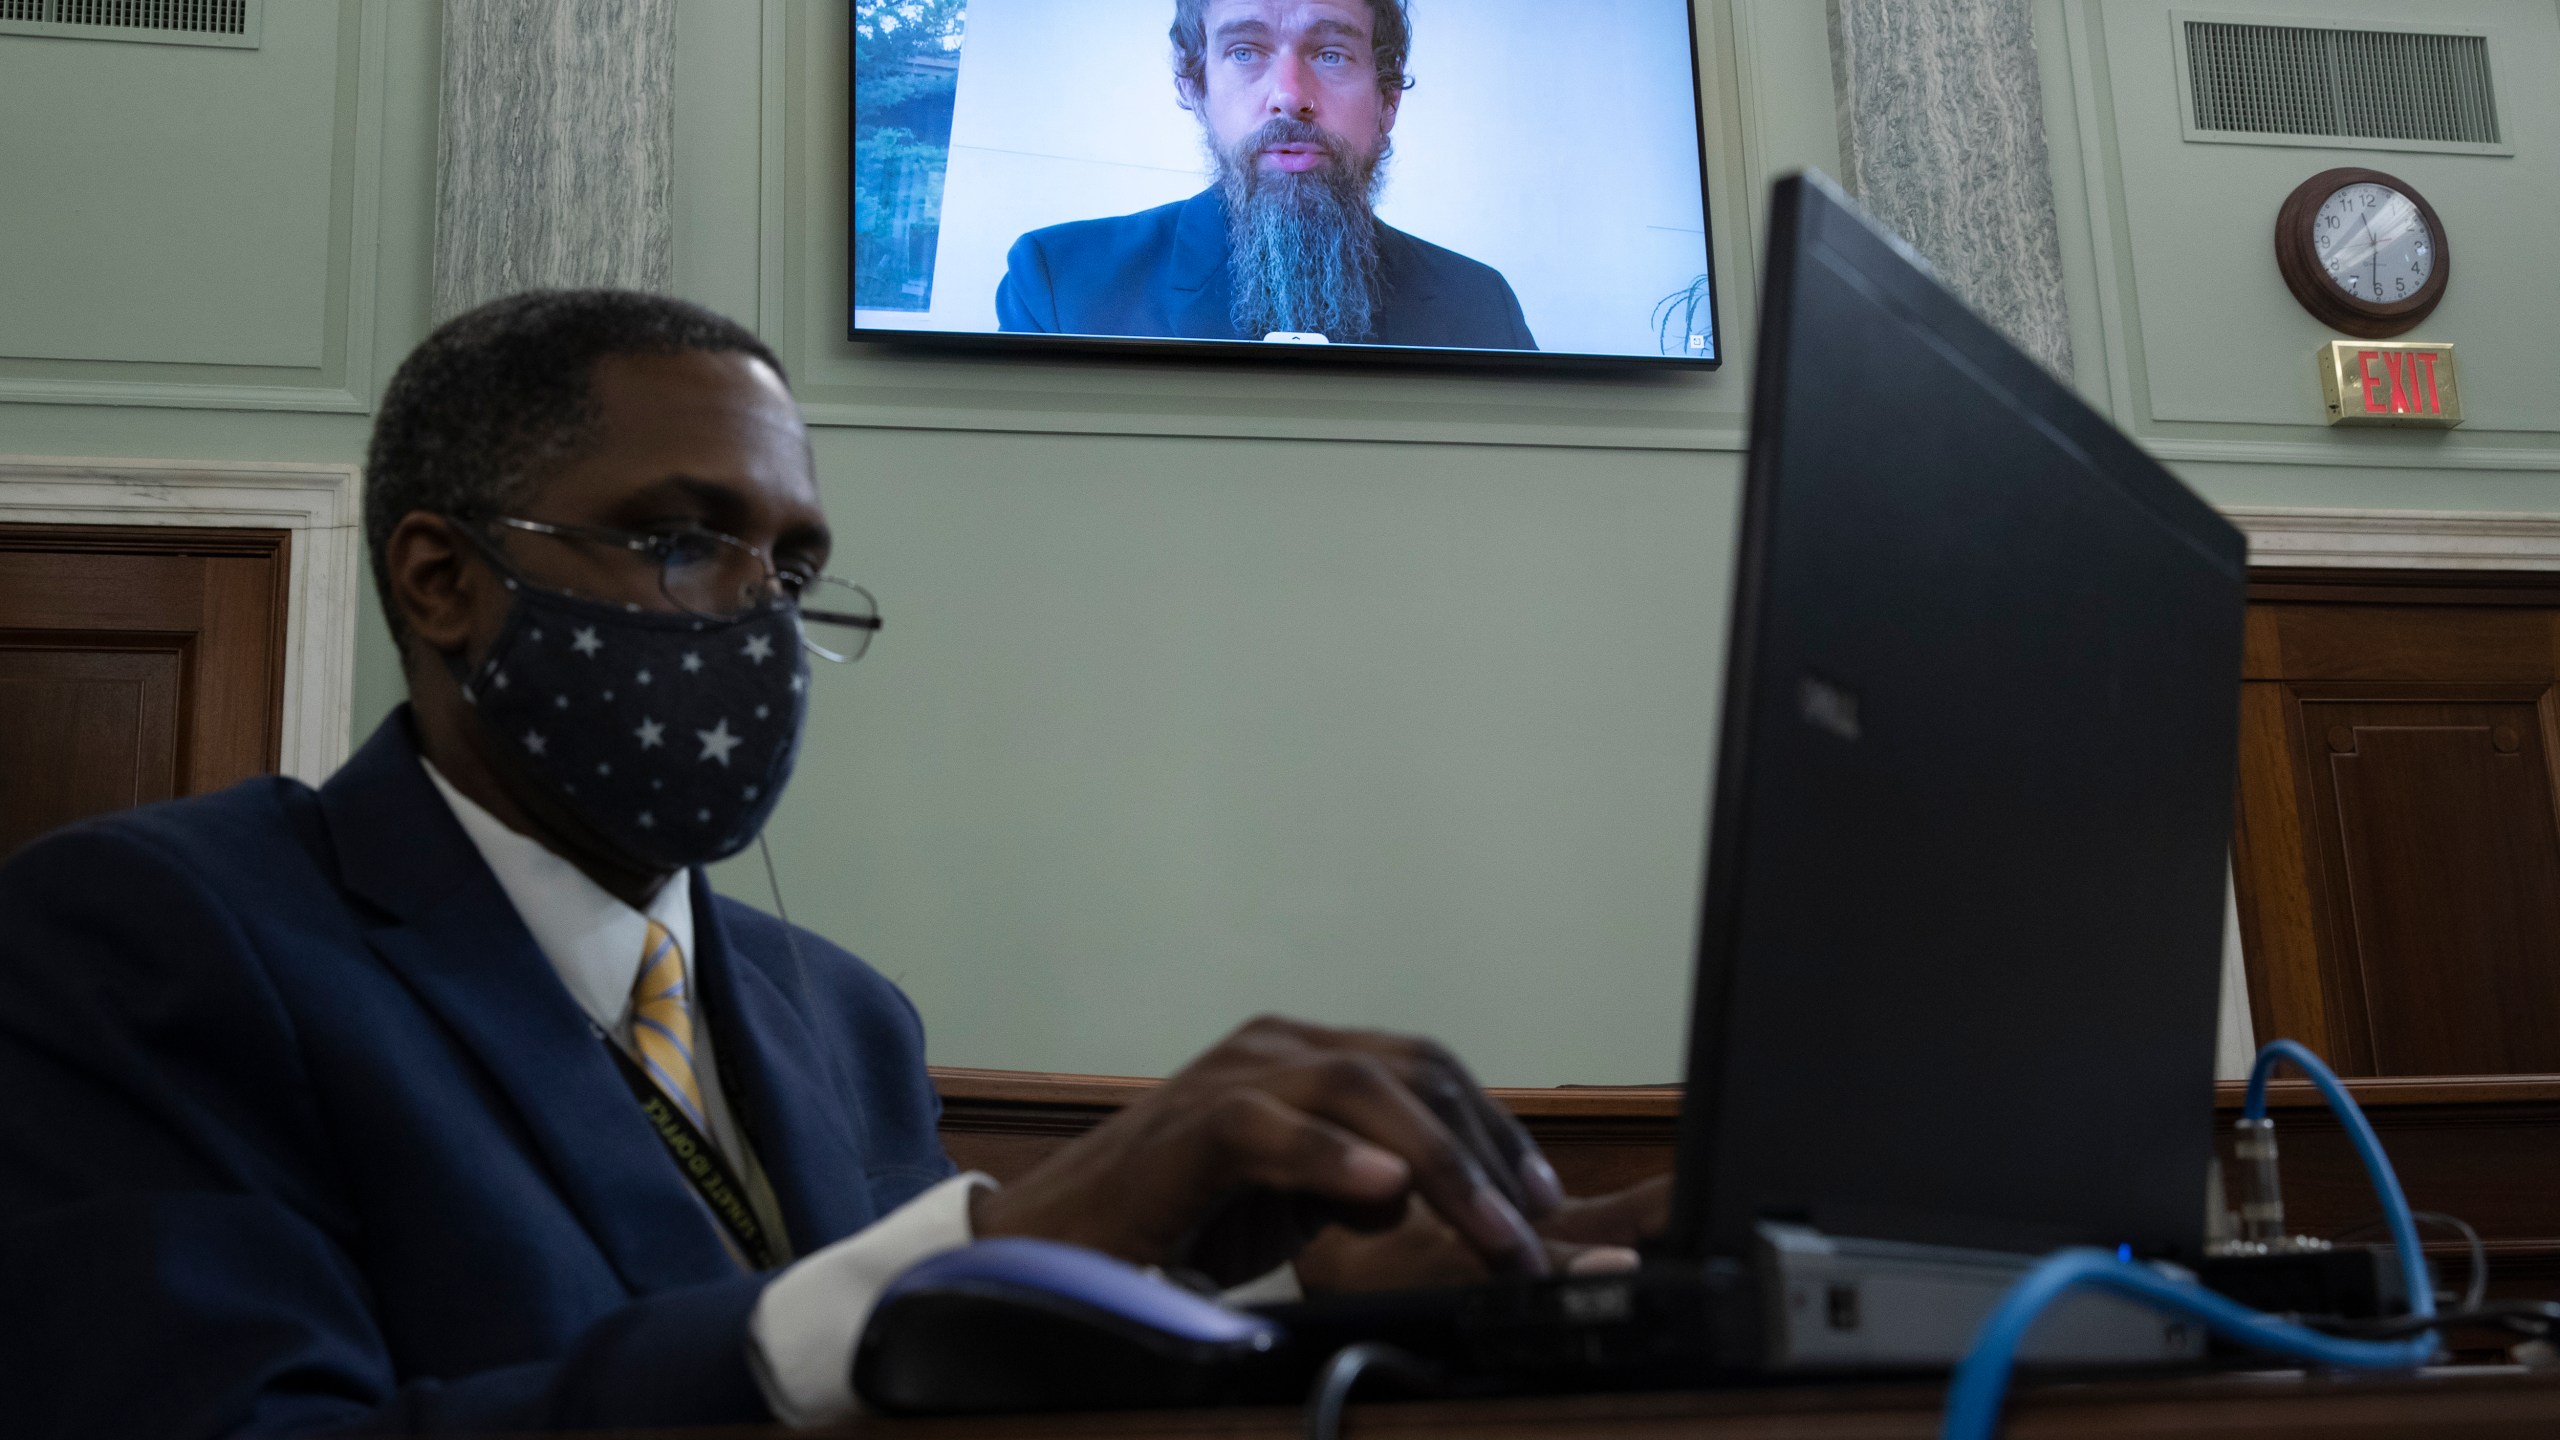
{"points": [[669, 735]]}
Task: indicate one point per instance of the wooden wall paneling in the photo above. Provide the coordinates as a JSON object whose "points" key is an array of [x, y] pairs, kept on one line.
{"points": [[2435, 809], [2349, 1041], [138, 662], [2415, 594], [1004, 1122], [1601, 1138], [2533, 588], [319, 506], [2396, 847], [108, 717], [240, 726], [43, 588], [2441, 644], [2277, 891], [2261, 645], [2485, 1148]]}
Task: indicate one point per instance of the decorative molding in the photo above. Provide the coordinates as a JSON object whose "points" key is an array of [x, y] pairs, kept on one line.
{"points": [[1223, 415], [774, 319], [159, 395], [1004, 1122], [2366, 451], [1100, 1094], [2537, 1095], [363, 266], [345, 387], [321, 504], [2400, 539], [2077, 133]]}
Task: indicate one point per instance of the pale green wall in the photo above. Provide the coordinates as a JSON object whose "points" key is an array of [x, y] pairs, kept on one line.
{"points": [[2184, 331], [160, 182], [1167, 731], [1379, 698]]}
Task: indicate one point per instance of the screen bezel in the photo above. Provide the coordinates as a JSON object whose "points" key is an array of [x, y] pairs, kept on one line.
{"points": [[1264, 353]]}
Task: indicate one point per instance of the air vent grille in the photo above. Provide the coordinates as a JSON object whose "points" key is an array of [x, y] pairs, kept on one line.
{"points": [[180, 22], [2348, 84], [202, 17]]}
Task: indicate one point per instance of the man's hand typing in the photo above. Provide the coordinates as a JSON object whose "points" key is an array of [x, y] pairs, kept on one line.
{"points": [[1233, 1165]]}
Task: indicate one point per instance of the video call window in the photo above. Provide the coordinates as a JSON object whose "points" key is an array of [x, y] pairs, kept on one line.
{"points": [[1509, 176]]}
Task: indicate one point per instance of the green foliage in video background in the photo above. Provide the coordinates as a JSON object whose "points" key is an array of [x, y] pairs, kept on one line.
{"points": [[904, 75]]}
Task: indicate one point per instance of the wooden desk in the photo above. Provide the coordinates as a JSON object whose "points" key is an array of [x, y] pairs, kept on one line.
{"points": [[2466, 1407]]}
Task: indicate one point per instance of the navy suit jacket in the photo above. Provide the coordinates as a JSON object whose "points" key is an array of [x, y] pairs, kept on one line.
{"points": [[302, 1132], [1163, 272]]}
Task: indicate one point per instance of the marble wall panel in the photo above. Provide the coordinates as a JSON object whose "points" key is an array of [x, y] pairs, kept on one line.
{"points": [[555, 153], [1942, 135]]}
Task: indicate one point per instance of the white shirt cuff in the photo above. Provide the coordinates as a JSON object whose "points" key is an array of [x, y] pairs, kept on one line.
{"points": [[1280, 1287], [810, 1317]]}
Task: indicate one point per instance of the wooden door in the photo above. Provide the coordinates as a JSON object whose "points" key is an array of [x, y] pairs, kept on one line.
{"points": [[2398, 847], [137, 663]]}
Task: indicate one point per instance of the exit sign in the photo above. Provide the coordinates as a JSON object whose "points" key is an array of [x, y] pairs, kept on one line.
{"points": [[2379, 382]]}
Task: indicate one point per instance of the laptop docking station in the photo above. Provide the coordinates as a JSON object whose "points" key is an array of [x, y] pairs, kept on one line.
{"points": [[1836, 1304]]}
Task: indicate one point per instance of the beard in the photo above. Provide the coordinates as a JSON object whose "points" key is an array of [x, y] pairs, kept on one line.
{"points": [[1302, 248]]}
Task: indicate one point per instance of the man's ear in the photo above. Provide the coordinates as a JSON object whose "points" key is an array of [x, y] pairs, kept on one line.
{"points": [[1395, 103], [434, 585]]}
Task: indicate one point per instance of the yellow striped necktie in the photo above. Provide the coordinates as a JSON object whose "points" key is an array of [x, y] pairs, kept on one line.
{"points": [[662, 1023]]}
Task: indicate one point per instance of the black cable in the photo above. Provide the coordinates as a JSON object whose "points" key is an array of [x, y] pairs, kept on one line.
{"points": [[790, 937], [2477, 1289], [2535, 1319], [1347, 1368]]}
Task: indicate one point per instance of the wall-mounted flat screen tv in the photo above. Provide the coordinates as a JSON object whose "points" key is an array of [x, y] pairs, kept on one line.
{"points": [[1437, 179]]}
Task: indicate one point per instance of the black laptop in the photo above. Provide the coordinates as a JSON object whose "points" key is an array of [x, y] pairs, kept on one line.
{"points": [[1960, 933]]}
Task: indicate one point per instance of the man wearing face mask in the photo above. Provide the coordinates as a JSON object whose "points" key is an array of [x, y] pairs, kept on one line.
{"points": [[1296, 101], [449, 1096]]}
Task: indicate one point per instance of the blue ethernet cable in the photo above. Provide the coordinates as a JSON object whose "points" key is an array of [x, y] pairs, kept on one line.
{"points": [[1982, 1381], [2377, 1166]]}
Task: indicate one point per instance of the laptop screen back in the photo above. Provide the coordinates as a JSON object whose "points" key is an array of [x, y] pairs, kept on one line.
{"points": [[1961, 932]]}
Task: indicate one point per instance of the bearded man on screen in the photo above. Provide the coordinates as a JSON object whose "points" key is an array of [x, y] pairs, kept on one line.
{"points": [[1298, 99]]}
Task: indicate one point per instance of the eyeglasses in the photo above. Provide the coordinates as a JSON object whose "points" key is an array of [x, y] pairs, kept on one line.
{"points": [[721, 577]]}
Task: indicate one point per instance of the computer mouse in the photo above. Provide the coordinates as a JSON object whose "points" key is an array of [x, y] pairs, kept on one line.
{"points": [[1024, 1325]]}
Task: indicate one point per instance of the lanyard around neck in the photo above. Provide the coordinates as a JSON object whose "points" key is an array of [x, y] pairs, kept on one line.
{"points": [[703, 1168]]}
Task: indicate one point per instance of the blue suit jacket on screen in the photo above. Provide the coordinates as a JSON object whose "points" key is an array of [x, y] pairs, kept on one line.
{"points": [[303, 1132], [1163, 273]]}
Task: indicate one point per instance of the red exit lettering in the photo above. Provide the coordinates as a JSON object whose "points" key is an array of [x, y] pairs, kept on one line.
{"points": [[2402, 373]]}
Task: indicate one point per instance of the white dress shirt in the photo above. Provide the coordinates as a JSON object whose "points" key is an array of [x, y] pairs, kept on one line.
{"points": [[800, 1339]]}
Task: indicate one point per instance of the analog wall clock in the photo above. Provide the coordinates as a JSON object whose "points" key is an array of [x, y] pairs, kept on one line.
{"points": [[2364, 252]]}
